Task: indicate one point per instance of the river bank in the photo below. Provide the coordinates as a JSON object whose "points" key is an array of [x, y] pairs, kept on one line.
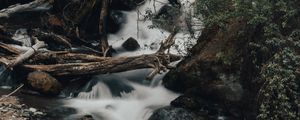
{"points": [[12, 109]]}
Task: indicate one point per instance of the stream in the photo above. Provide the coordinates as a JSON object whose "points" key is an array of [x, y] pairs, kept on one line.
{"points": [[126, 95]]}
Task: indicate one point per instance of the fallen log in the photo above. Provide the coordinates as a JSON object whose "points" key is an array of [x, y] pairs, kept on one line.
{"points": [[19, 8], [105, 65], [5, 37], [8, 50], [10, 64], [62, 57], [21, 58]]}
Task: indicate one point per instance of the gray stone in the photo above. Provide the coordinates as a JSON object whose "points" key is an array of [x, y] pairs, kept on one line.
{"points": [[172, 113], [32, 110], [131, 44]]}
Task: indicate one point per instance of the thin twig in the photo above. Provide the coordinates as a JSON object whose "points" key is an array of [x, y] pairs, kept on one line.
{"points": [[137, 24], [13, 92]]}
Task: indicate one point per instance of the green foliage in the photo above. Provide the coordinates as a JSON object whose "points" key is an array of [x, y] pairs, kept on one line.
{"points": [[274, 49], [213, 11], [280, 92]]}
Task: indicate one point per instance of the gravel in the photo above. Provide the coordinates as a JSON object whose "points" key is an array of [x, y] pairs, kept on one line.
{"points": [[12, 109]]}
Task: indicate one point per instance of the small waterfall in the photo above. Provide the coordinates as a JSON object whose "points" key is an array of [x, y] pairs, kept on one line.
{"points": [[100, 90], [127, 95], [6, 80]]}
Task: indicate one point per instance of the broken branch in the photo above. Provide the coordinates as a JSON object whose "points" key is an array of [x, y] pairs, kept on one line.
{"points": [[20, 59]]}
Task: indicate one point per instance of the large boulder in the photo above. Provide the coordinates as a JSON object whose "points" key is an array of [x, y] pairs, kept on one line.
{"points": [[214, 62], [212, 71], [44, 83]]}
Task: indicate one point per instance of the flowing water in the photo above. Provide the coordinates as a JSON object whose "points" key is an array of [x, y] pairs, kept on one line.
{"points": [[115, 97], [128, 95]]}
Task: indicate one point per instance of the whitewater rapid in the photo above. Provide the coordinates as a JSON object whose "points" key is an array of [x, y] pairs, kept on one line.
{"points": [[138, 97]]}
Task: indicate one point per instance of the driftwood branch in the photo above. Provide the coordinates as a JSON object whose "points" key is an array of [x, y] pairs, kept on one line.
{"points": [[13, 92], [54, 38], [158, 66], [168, 42], [21, 58], [19, 8], [104, 65], [8, 50]]}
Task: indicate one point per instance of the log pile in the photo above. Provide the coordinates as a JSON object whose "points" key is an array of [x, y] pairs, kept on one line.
{"points": [[52, 44]]}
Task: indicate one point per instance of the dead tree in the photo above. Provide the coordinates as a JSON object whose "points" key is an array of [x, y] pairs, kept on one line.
{"points": [[103, 27]]}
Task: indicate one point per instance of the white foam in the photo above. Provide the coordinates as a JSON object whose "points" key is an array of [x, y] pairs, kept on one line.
{"points": [[143, 100]]}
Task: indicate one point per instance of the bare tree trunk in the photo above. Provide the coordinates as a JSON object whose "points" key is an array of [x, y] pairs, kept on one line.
{"points": [[103, 27]]}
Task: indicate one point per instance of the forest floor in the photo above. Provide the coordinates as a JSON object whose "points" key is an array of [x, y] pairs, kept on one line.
{"points": [[12, 109]]}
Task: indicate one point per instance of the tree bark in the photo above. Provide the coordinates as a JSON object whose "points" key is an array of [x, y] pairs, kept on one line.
{"points": [[20, 59], [105, 65], [19, 8], [103, 27], [8, 50]]}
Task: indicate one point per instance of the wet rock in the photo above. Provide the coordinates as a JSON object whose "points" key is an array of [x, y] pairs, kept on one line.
{"points": [[60, 112], [38, 113], [205, 108], [117, 86], [32, 110], [116, 19], [131, 44], [87, 117], [172, 113], [175, 2], [11, 109], [126, 4], [154, 46], [44, 83], [167, 17]]}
